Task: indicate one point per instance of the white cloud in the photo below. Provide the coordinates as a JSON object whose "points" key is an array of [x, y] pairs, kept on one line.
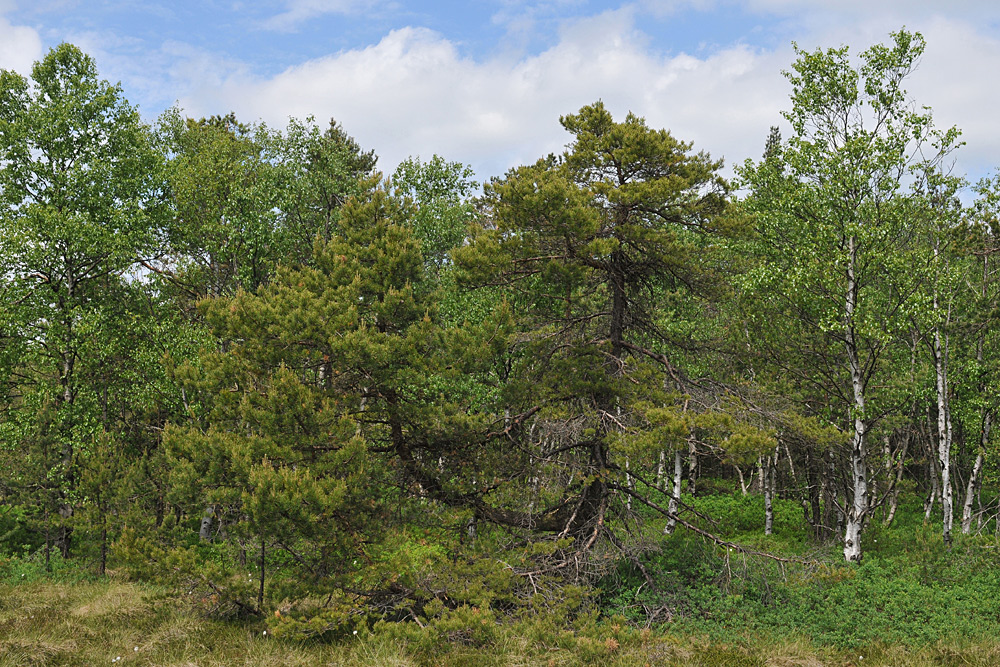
{"points": [[302, 10], [954, 77], [20, 46], [413, 93]]}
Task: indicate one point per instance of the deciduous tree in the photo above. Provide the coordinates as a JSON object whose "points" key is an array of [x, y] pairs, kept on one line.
{"points": [[832, 215], [81, 202]]}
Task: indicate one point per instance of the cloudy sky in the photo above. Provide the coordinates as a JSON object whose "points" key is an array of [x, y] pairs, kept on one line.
{"points": [[485, 81]]}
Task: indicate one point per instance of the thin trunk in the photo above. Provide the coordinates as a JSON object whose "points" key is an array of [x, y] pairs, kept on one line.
{"points": [[661, 480], [675, 495], [769, 470], [886, 468], [791, 465], [67, 483], [900, 462], [973, 485], [894, 494], [65, 532], [932, 473], [744, 483], [260, 591], [827, 494], [943, 422], [470, 529], [692, 466], [833, 510], [629, 484], [813, 493], [893, 506], [857, 510]]}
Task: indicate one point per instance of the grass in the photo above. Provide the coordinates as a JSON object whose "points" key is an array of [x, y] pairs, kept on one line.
{"points": [[912, 602], [98, 622]]}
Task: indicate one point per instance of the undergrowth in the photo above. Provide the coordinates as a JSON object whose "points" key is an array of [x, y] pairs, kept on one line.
{"points": [[911, 601]]}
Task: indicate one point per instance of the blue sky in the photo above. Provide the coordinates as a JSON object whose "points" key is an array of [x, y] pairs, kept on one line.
{"points": [[485, 81]]}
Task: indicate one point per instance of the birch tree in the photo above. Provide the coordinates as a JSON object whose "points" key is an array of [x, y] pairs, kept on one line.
{"points": [[978, 375], [832, 214], [942, 211]]}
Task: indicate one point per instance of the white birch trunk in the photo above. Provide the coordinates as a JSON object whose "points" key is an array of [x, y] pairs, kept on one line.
{"points": [[744, 483], [932, 498], [692, 466], [791, 464], [944, 434], [207, 519], [973, 486], [857, 510], [769, 469], [944, 415], [675, 493], [661, 480], [629, 484]]}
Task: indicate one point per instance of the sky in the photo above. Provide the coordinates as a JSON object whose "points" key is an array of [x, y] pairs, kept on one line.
{"points": [[484, 82]]}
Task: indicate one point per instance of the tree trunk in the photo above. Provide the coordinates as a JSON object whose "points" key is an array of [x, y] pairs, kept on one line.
{"points": [[64, 535], [974, 478], [943, 426], [692, 466], [629, 484], [932, 498], [769, 469], [894, 493], [857, 511], [744, 483], [791, 465], [833, 516], [205, 532], [974, 485], [661, 480], [675, 493], [813, 492]]}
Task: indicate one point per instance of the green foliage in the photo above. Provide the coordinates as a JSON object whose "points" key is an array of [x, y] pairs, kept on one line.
{"points": [[225, 190], [735, 515], [81, 203], [838, 265], [31, 567], [580, 245], [320, 171], [383, 421], [440, 191], [332, 390], [909, 590]]}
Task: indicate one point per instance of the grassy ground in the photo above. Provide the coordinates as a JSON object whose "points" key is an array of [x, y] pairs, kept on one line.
{"points": [[111, 623], [912, 601]]}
